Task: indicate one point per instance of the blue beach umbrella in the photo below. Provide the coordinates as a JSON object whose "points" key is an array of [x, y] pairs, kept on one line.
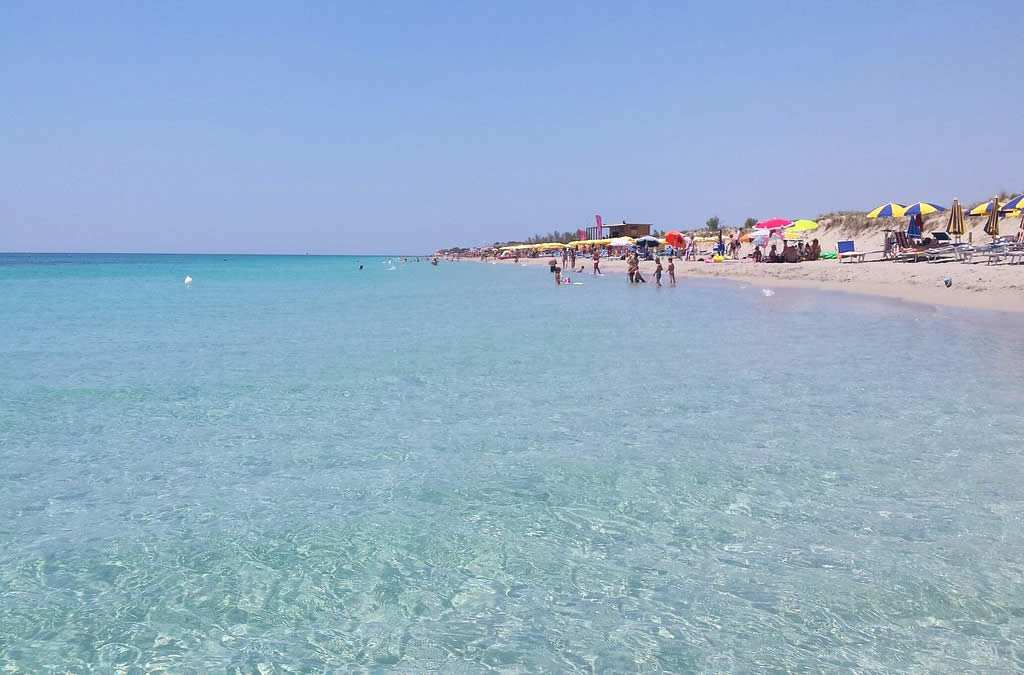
{"points": [[955, 226], [923, 208], [890, 210], [992, 225], [914, 229], [1014, 204]]}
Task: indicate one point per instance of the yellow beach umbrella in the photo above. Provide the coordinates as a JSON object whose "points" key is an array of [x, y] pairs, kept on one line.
{"points": [[803, 226], [956, 227], [923, 208], [992, 226], [985, 208], [889, 210]]}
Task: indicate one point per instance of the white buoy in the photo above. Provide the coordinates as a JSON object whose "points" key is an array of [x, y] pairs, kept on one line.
{"points": [[188, 280]]}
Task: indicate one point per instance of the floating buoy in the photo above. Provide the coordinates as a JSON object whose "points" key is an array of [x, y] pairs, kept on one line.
{"points": [[188, 280]]}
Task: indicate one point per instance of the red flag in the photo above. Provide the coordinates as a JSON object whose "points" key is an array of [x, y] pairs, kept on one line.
{"points": [[600, 231]]}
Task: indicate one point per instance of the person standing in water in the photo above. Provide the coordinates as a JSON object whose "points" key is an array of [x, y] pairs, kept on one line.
{"points": [[657, 272], [671, 272], [558, 275], [597, 260]]}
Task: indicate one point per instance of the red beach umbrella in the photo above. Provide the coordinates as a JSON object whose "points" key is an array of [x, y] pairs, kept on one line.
{"points": [[773, 224], [673, 238]]}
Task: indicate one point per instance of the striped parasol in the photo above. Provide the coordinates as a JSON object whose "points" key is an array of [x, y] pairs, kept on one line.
{"points": [[955, 227], [992, 226], [984, 208], [890, 210], [923, 208], [1014, 204]]}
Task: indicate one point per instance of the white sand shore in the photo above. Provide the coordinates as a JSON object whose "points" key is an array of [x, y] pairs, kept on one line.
{"points": [[975, 286]]}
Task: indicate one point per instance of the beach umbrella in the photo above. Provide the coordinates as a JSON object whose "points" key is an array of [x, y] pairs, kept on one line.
{"points": [[674, 238], [757, 237], [772, 224], [648, 241], [803, 226], [956, 227], [889, 210], [985, 208], [1015, 204], [923, 208], [621, 241], [914, 228], [992, 226]]}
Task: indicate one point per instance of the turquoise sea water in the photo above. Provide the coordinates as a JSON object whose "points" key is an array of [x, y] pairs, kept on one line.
{"points": [[293, 466]]}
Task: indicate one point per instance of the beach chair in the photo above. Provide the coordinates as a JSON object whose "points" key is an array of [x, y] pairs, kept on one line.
{"points": [[1018, 242], [937, 254], [905, 251], [846, 250], [996, 253]]}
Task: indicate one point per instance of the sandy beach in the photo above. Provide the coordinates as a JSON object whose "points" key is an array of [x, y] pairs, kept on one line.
{"points": [[975, 285]]}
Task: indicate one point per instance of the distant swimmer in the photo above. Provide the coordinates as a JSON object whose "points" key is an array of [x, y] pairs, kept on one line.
{"points": [[188, 280], [360, 267], [434, 262]]}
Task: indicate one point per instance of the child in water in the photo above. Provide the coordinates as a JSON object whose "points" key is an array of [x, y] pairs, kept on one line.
{"points": [[671, 272], [558, 275], [657, 272]]}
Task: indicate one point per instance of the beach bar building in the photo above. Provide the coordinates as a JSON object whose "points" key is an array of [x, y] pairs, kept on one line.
{"points": [[623, 229]]}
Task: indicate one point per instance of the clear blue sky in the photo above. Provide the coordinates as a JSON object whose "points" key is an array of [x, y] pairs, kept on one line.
{"points": [[343, 127]]}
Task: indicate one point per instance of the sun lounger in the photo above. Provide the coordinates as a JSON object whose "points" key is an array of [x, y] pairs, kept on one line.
{"points": [[991, 252], [846, 250], [905, 251], [940, 254]]}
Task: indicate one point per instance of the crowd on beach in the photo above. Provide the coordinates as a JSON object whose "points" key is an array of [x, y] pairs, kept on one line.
{"points": [[791, 252], [688, 250]]}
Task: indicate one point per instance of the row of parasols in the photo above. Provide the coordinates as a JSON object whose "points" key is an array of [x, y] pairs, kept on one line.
{"points": [[785, 229], [789, 229], [956, 227], [646, 241]]}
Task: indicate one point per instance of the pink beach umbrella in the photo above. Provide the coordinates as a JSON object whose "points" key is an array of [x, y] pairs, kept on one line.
{"points": [[773, 224]]}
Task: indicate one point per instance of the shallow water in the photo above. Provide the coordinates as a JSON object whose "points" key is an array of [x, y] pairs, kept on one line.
{"points": [[295, 464]]}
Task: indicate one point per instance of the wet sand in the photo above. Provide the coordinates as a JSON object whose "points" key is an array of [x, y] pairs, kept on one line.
{"points": [[975, 286]]}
